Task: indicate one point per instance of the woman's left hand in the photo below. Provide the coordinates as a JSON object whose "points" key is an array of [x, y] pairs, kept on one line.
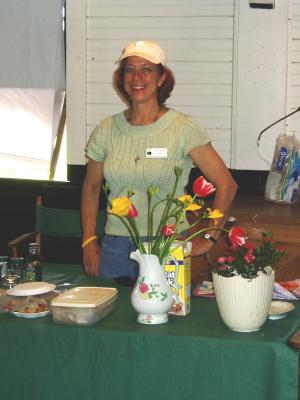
{"points": [[200, 246]]}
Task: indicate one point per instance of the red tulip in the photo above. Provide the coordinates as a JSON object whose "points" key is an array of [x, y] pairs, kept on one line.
{"points": [[281, 249], [132, 213], [237, 236], [202, 188], [168, 230]]}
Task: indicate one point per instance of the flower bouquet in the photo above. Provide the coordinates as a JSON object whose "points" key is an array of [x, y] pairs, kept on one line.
{"points": [[153, 294], [159, 241]]}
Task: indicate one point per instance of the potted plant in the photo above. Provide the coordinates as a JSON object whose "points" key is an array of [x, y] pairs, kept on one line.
{"points": [[244, 279]]}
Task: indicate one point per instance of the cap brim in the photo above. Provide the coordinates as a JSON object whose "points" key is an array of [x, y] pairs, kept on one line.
{"points": [[152, 59]]}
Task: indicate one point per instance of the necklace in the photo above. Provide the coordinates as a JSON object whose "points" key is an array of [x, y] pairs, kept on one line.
{"points": [[129, 119]]}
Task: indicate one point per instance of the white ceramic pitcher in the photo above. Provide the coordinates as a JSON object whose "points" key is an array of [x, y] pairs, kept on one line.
{"points": [[152, 295]]}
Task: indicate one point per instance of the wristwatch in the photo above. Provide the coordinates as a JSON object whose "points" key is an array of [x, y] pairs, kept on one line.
{"points": [[208, 236]]}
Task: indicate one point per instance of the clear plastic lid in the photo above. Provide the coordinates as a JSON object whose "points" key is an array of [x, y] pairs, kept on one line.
{"points": [[31, 289], [86, 297]]}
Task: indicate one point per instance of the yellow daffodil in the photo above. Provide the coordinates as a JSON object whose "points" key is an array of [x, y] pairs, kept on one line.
{"points": [[193, 207], [187, 200], [214, 214], [120, 206]]}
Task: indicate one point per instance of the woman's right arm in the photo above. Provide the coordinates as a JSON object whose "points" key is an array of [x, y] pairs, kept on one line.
{"points": [[89, 209]]}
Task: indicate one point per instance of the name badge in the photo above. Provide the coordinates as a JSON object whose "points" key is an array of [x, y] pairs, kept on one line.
{"points": [[158, 152]]}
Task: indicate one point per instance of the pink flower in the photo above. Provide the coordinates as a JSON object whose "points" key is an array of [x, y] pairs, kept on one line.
{"points": [[230, 259], [202, 188], [221, 260], [222, 267], [132, 213], [249, 257], [168, 230], [237, 236], [144, 288]]}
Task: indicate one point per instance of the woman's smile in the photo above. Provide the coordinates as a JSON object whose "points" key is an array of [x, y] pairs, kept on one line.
{"points": [[138, 87]]}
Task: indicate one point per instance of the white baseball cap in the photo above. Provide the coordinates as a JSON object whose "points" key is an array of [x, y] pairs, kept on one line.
{"points": [[149, 50]]}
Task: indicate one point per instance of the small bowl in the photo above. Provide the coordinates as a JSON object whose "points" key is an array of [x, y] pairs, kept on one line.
{"points": [[280, 309]]}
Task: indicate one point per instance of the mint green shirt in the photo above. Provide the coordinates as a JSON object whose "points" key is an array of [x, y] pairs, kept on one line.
{"points": [[122, 148]]}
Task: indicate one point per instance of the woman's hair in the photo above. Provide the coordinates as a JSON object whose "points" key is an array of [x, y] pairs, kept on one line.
{"points": [[163, 92]]}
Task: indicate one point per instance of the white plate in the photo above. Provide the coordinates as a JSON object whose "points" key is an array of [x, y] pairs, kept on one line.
{"points": [[31, 315], [31, 289], [280, 309]]}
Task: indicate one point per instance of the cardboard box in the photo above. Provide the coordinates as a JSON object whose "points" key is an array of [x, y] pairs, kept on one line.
{"points": [[178, 274]]}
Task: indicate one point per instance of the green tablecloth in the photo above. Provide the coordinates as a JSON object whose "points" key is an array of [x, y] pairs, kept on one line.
{"points": [[192, 357]]}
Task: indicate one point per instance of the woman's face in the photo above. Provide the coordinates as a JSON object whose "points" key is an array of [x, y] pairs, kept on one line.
{"points": [[141, 80]]}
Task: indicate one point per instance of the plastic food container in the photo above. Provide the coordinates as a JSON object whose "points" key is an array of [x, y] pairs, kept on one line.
{"points": [[28, 300], [83, 305]]}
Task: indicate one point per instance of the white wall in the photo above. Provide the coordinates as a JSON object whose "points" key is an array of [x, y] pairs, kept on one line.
{"points": [[261, 70], [76, 81], [293, 78], [233, 65]]}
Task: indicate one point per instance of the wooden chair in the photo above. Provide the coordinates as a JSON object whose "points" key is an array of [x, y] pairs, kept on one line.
{"points": [[54, 223]]}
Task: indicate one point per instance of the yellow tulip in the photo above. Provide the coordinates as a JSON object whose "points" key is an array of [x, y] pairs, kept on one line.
{"points": [[120, 206]]}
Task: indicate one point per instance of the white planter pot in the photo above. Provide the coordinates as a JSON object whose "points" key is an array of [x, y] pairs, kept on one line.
{"points": [[244, 304], [152, 296]]}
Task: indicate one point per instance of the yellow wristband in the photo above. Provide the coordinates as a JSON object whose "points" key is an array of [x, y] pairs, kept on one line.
{"points": [[89, 240]]}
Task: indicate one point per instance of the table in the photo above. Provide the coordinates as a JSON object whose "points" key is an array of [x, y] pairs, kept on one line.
{"points": [[192, 357]]}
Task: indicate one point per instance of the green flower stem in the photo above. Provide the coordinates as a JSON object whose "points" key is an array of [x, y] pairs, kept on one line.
{"points": [[137, 238], [169, 203], [159, 236], [162, 243], [183, 242], [193, 224], [166, 249], [154, 207], [130, 230], [150, 223], [202, 217]]}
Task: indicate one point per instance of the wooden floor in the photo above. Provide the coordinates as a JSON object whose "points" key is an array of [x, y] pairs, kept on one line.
{"points": [[255, 214]]}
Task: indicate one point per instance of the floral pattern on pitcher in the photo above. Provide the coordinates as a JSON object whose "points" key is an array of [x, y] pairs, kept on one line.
{"points": [[148, 319], [150, 291]]}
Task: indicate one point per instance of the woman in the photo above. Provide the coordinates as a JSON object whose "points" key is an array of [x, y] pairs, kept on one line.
{"points": [[139, 147]]}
